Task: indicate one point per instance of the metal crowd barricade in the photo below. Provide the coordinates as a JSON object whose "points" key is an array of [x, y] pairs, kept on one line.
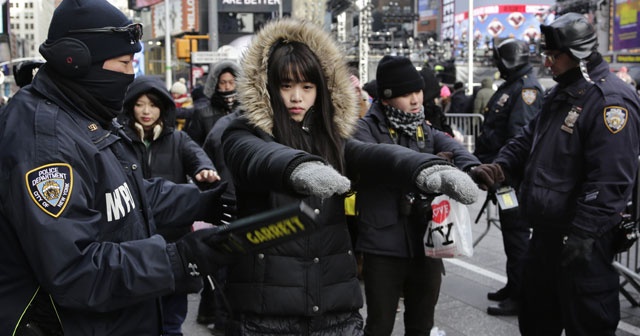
{"points": [[468, 124], [626, 263], [490, 209]]}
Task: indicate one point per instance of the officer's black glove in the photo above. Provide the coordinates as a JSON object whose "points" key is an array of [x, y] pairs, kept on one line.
{"points": [[487, 175], [199, 253], [212, 205], [578, 247]]}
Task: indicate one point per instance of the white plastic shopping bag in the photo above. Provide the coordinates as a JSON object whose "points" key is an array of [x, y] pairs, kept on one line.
{"points": [[448, 233]]}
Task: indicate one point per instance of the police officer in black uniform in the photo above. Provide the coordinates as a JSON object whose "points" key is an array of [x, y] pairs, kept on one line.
{"points": [[515, 103], [78, 249], [577, 160]]}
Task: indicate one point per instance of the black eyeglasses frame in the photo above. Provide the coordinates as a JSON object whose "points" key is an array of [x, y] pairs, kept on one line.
{"points": [[551, 58]]}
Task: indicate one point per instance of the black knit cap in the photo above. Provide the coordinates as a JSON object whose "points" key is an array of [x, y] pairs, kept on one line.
{"points": [[397, 76], [84, 14]]}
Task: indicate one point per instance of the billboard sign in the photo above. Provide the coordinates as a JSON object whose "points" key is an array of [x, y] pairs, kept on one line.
{"points": [[501, 21], [183, 17], [626, 24], [447, 26], [253, 6]]}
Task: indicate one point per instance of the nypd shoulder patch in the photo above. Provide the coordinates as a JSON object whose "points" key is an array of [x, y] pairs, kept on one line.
{"points": [[529, 96], [50, 187], [615, 118]]}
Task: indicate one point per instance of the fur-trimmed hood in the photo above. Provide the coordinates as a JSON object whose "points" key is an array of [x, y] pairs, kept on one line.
{"points": [[214, 76], [252, 82]]}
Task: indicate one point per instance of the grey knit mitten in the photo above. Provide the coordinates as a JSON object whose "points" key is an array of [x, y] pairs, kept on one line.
{"points": [[448, 180], [318, 179]]}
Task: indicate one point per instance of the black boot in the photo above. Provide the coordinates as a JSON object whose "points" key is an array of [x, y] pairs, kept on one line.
{"points": [[508, 307], [499, 295]]}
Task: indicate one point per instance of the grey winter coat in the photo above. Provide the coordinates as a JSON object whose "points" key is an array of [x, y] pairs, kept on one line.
{"points": [[484, 94]]}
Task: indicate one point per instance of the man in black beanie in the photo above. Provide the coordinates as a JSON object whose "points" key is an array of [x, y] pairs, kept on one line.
{"points": [[78, 249], [390, 235]]}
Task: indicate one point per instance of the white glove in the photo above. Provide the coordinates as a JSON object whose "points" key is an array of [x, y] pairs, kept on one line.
{"points": [[448, 180], [318, 179]]}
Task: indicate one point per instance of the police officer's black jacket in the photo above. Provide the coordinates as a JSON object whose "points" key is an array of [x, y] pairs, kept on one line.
{"points": [[314, 276], [77, 222], [382, 229], [579, 157], [512, 106]]}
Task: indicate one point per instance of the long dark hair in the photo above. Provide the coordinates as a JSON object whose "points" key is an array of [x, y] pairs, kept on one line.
{"points": [[295, 62], [155, 98]]}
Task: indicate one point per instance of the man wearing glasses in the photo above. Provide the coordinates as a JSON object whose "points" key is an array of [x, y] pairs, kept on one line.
{"points": [[578, 160], [78, 253]]}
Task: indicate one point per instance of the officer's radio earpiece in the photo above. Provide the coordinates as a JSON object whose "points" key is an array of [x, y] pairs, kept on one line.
{"points": [[68, 56]]}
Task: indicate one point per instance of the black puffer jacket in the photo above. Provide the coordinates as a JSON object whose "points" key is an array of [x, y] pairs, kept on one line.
{"points": [[172, 154], [315, 276]]}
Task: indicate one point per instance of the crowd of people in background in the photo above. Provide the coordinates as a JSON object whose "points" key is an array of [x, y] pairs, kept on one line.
{"points": [[120, 171]]}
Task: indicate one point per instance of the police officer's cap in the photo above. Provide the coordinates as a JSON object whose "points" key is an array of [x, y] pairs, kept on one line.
{"points": [[571, 33], [511, 53]]}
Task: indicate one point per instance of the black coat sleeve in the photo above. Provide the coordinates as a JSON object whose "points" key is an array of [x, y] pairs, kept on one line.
{"points": [[462, 158], [386, 164], [172, 204], [257, 161]]}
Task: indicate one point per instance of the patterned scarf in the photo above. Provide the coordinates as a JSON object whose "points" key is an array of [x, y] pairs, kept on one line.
{"points": [[404, 122]]}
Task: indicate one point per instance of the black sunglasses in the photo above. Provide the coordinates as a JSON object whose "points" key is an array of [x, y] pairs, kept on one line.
{"points": [[134, 30]]}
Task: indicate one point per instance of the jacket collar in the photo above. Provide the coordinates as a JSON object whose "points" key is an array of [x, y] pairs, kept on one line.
{"points": [[45, 86], [581, 85], [516, 75]]}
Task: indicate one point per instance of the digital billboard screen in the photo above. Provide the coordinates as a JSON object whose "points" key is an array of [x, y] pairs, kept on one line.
{"points": [[626, 24], [502, 21]]}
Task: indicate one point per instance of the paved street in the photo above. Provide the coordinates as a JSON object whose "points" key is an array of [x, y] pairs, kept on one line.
{"points": [[461, 309]]}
